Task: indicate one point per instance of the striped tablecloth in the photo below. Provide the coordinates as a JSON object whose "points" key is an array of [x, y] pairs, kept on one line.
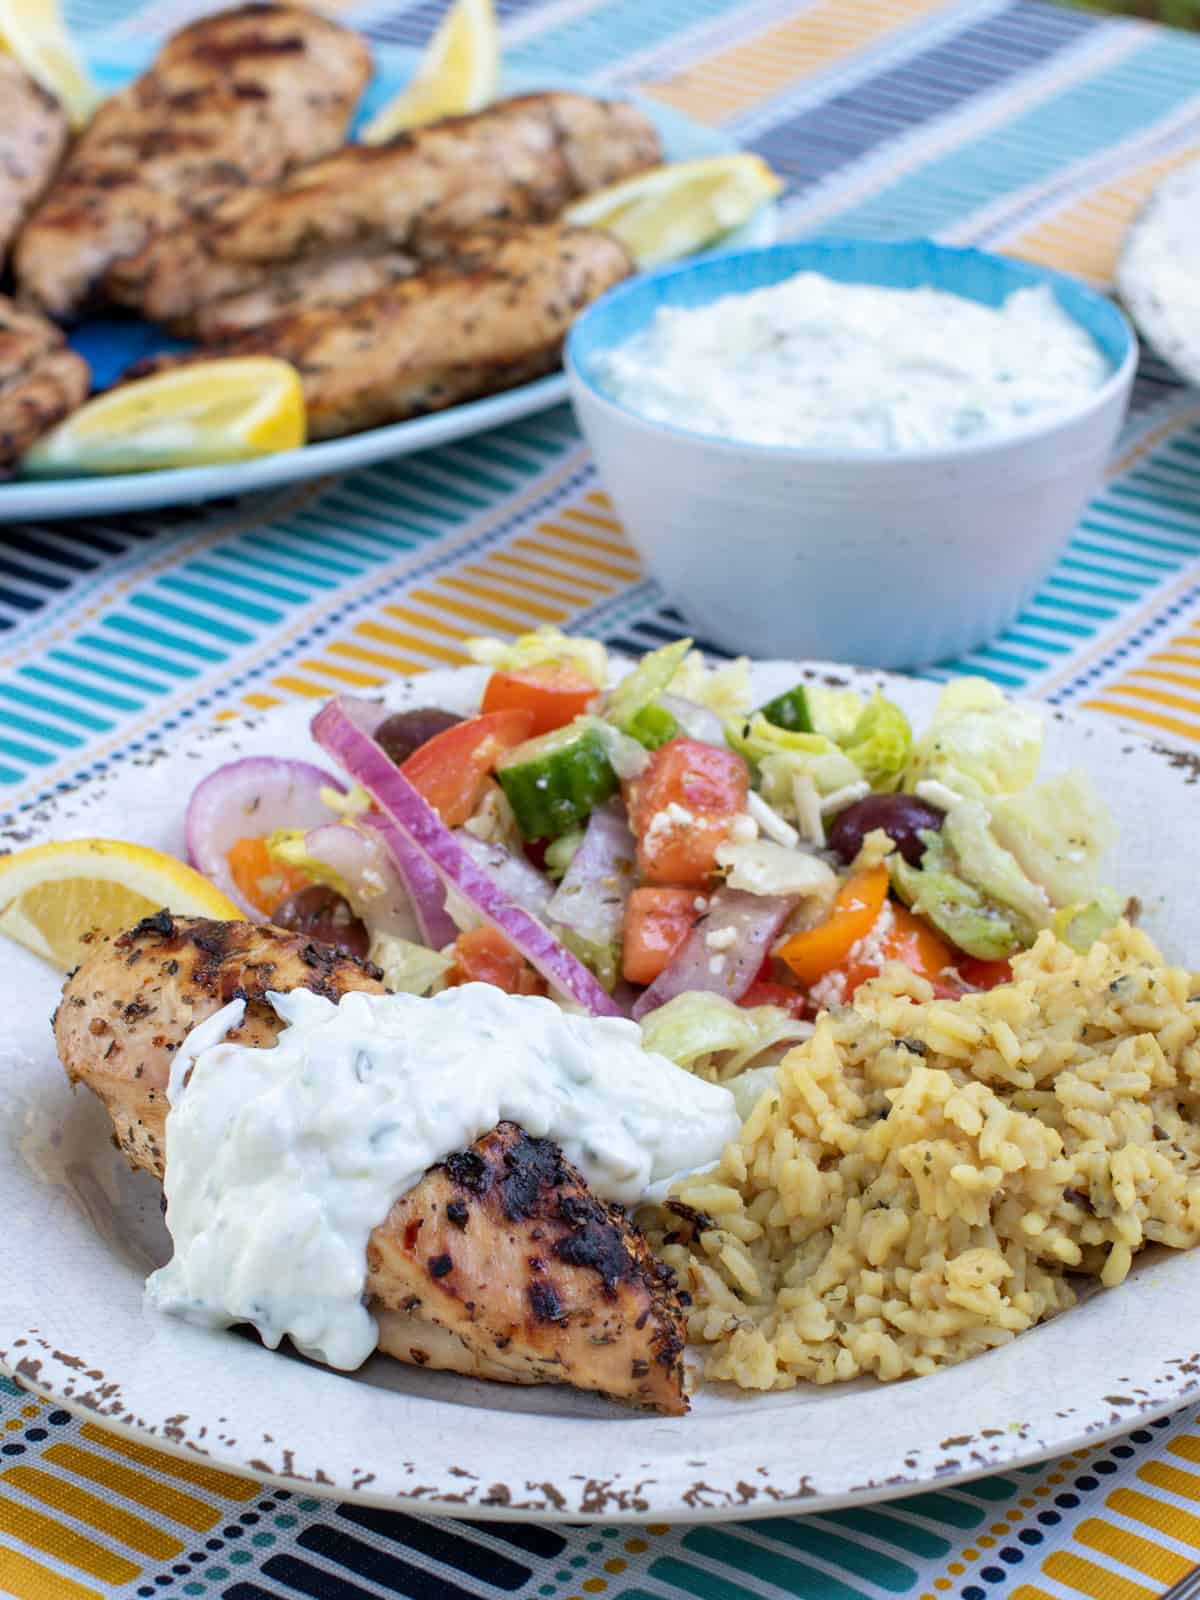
{"points": [[1007, 123]]}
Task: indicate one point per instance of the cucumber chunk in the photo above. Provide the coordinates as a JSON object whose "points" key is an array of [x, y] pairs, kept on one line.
{"points": [[555, 782]]}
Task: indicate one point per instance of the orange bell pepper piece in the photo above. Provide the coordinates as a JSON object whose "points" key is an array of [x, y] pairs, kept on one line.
{"points": [[816, 951]]}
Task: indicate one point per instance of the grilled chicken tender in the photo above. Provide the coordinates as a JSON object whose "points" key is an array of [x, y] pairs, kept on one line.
{"points": [[237, 98], [33, 137], [303, 286], [41, 381], [499, 1264], [522, 160], [494, 316]]}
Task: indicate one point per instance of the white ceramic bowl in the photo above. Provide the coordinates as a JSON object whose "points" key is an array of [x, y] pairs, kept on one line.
{"points": [[886, 559]]}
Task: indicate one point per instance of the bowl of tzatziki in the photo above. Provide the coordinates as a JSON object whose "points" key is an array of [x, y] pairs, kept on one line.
{"points": [[864, 451]]}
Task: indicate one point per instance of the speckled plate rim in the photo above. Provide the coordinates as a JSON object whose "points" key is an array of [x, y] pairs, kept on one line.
{"points": [[73, 1327], [114, 62]]}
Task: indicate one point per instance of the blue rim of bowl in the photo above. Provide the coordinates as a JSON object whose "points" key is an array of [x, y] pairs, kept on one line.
{"points": [[1086, 307]]}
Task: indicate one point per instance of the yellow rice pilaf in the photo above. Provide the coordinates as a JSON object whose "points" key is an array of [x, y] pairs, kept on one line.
{"points": [[927, 1175]]}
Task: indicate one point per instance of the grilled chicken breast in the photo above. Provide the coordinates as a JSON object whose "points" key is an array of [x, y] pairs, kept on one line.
{"points": [[522, 160], [494, 316], [33, 137], [499, 1264], [302, 286], [41, 381], [237, 98]]}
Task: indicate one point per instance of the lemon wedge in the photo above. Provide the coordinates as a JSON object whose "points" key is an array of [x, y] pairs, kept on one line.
{"points": [[190, 416], [55, 896], [460, 71], [673, 210], [34, 32]]}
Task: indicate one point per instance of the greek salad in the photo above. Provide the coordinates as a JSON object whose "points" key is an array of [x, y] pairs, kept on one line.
{"points": [[653, 844]]}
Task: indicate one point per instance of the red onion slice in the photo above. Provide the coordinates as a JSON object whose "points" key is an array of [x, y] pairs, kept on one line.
{"points": [[729, 969], [425, 892], [591, 898], [376, 890], [517, 876], [253, 796], [337, 729]]}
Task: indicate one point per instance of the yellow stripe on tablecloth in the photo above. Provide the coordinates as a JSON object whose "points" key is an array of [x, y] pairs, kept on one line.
{"points": [[489, 574], [1026, 1591], [1156, 1514], [211, 1479], [1164, 1566], [591, 519], [193, 1513], [1157, 697], [1186, 1445], [396, 665], [616, 550], [740, 77], [57, 1539], [1152, 719], [1096, 1582], [1183, 679], [523, 565], [29, 1580], [588, 563], [340, 674], [1085, 236], [535, 610], [1163, 1476], [61, 1495], [418, 619], [300, 686]]}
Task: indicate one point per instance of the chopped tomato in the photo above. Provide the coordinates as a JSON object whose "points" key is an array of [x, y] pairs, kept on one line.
{"points": [[451, 770], [825, 948], [765, 992], [977, 973], [657, 921], [912, 942], [552, 692], [261, 880], [484, 955], [680, 809]]}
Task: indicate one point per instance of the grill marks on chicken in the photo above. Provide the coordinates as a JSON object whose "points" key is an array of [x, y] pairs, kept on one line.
{"points": [[33, 137], [500, 1263], [493, 317], [41, 381], [237, 98], [520, 161]]}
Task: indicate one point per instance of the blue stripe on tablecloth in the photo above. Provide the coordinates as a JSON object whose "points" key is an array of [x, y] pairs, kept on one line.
{"points": [[827, 137], [1082, 120]]}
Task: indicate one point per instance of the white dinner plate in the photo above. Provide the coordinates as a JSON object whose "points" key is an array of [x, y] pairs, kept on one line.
{"points": [[81, 1231], [1158, 273], [114, 344]]}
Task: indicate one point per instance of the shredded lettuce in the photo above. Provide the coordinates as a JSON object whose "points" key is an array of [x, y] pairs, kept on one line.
{"points": [[642, 687], [587, 656], [984, 862], [724, 689], [602, 960], [407, 968], [1059, 831], [779, 757], [956, 908], [1080, 926], [763, 867], [880, 743], [712, 1037], [978, 743], [834, 712], [287, 846], [351, 804]]}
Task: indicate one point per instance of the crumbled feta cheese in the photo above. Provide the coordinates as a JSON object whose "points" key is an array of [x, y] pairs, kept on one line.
{"points": [[937, 794], [700, 904], [671, 819], [743, 828], [721, 938], [869, 950], [763, 867], [828, 991], [841, 798], [770, 822], [717, 966]]}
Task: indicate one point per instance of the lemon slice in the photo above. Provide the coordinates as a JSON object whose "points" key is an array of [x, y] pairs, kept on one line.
{"points": [[55, 896], [189, 416], [34, 32], [460, 71], [671, 211]]}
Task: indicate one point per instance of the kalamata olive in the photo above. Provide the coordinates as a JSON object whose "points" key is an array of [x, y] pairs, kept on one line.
{"points": [[901, 816], [324, 915], [405, 731]]}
